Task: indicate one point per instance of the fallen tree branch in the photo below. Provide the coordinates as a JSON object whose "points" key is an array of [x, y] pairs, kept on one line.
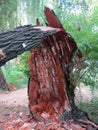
{"points": [[20, 39]]}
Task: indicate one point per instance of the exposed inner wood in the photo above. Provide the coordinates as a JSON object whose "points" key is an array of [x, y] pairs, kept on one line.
{"points": [[49, 77], [50, 89]]}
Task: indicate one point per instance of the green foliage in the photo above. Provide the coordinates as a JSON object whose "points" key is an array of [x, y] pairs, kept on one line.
{"points": [[30, 10], [8, 14], [14, 75], [91, 108], [80, 19], [24, 63]]}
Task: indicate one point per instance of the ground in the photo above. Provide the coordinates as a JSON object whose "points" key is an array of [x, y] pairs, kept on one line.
{"points": [[87, 100], [18, 97], [14, 107]]}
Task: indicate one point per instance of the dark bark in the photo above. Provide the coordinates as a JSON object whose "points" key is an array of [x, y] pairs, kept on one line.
{"points": [[20, 39], [3, 84]]}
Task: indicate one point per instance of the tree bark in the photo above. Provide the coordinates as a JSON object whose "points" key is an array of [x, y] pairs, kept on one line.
{"points": [[3, 84], [20, 39]]}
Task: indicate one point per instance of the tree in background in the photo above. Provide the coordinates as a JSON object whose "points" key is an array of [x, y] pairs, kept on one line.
{"points": [[28, 11], [3, 84], [8, 14], [18, 13], [8, 20]]}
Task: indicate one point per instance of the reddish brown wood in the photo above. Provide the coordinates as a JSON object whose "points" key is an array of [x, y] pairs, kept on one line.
{"points": [[47, 91], [49, 65], [50, 91], [52, 19], [49, 72], [11, 87]]}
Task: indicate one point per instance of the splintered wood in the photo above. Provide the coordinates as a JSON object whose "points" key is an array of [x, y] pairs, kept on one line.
{"points": [[47, 86], [49, 89], [49, 72]]}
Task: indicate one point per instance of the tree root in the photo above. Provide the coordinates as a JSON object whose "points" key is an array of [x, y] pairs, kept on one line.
{"points": [[88, 122]]}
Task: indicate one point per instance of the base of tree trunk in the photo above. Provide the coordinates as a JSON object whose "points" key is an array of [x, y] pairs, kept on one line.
{"points": [[3, 84], [62, 125], [50, 87], [51, 96]]}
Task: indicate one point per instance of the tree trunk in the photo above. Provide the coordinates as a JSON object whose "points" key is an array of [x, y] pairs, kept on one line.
{"points": [[3, 84], [51, 94], [50, 88], [47, 87]]}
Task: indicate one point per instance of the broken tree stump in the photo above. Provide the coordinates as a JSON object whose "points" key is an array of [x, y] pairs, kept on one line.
{"points": [[47, 90], [50, 89], [49, 79]]}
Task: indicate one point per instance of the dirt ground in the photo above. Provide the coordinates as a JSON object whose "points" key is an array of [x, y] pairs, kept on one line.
{"points": [[14, 104], [87, 100], [20, 97], [13, 101], [17, 97], [13, 109]]}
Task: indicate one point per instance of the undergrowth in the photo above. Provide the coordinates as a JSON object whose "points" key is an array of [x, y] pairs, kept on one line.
{"points": [[91, 108], [14, 75]]}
